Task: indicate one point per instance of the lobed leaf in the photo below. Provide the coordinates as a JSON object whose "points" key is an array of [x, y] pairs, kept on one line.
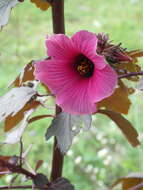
{"points": [[124, 125], [40, 181], [129, 67], [15, 135], [118, 101], [42, 4], [61, 184], [62, 127], [133, 181], [132, 66], [13, 101], [12, 121], [5, 9], [25, 75]]}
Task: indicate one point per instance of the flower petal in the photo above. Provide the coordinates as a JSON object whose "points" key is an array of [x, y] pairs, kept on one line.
{"points": [[85, 42], [69, 87], [57, 75], [102, 84], [76, 100], [59, 46], [99, 61], [74, 93]]}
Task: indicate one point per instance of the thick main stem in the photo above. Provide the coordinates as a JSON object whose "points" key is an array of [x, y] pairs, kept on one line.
{"points": [[58, 27], [58, 157], [58, 16]]}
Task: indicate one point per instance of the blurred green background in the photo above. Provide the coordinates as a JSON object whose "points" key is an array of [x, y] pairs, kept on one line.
{"points": [[100, 156]]}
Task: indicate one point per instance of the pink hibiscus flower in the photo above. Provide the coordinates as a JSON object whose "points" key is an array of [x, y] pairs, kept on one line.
{"points": [[76, 74]]}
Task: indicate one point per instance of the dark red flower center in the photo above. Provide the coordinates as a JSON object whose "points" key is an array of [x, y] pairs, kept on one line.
{"points": [[84, 66]]}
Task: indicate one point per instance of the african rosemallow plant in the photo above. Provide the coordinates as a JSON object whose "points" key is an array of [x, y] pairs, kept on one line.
{"points": [[85, 74]]}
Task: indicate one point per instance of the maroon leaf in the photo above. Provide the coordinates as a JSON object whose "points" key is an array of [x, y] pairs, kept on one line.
{"points": [[61, 184], [40, 180], [7, 159], [62, 127]]}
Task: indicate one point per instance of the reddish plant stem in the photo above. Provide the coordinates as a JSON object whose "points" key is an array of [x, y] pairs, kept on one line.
{"points": [[13, 168], [58, 16], [16, 187], [38, 117], [58, 157], [23, 187], [58, 27], [130, 74], [21, 152], [16, 169]]}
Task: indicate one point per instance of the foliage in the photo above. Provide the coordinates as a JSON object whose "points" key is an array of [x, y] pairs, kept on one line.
{"points": [[128, 90]]}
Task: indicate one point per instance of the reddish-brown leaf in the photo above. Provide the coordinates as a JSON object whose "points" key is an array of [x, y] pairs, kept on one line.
{"points": [[124, 125], [2, 168], [118, 101], [15, 135], [38, 164], [42, 4], [25, 75], [135, 53], [12, 121], [14, 100], [130, 67], [131, 182]]}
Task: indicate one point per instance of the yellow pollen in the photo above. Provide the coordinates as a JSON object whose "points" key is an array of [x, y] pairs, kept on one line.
{"points": [[83, 68]]}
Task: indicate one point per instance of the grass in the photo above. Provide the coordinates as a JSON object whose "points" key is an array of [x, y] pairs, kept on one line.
{"points": [[99, 157]]}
